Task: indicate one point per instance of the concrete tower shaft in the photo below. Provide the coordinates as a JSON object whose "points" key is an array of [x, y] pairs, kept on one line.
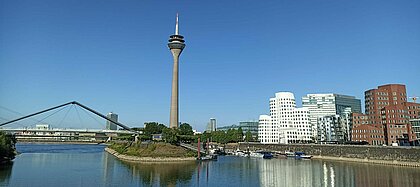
{"points": [[176, 45]]}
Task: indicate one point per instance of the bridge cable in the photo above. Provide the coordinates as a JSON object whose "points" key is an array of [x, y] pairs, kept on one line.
{"points": [[42, 120], [69, 108], [4, 119], [90, 115], [80, 119], [15, 112]]}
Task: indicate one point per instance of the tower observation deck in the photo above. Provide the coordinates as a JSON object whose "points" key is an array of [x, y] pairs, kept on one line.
{"points": [[176, 45]]}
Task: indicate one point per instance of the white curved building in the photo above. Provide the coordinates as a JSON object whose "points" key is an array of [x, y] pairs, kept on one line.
{"points": [[286, 123]]}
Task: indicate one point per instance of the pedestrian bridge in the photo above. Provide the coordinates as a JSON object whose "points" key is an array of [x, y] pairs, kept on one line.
{"points": [[66, 133]]}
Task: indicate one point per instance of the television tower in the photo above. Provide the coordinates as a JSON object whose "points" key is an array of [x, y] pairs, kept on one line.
{"points": [[176, 45]]}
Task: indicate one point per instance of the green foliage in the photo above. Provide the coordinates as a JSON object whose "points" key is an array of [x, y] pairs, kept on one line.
{"points": [[7, 146], [248, 136], [229, 136], [232, 135], [185, 129], [220, 137], [171, 135], [205, 136], [240, 134], [153, 128]]}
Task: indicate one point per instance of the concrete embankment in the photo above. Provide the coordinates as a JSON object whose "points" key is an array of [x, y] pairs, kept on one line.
{"points": [[147, 159], [402, 156]]}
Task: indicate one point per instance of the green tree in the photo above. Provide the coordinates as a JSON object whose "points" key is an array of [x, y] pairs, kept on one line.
{"points": [[153, 128], [7, 146], [231, 135], [205, 136], [185, 129], [248, 136], [171, 135], [240, 135]]}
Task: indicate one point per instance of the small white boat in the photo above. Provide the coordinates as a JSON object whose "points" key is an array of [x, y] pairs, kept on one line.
{"points": [[302, 155], [208, 157], [289, 154], [240, 153], [256, 155], [306, 156]]}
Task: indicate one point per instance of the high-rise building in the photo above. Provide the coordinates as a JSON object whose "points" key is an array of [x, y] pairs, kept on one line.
{"points": [[110, 125], [358, 119], [387, 109], [176, 45], [286, 123], [211, 126], [413, 110], [329, 104], [384, 96]]}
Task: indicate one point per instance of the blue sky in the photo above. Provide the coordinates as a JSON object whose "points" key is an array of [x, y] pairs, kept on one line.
{"points": [[113, 55]]}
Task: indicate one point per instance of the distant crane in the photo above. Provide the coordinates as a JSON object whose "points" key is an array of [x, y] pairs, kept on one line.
{"points": [[414, 98]]}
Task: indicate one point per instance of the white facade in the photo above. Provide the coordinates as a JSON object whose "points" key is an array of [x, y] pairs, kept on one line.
{"points": [[319, 105], [286, 123]]}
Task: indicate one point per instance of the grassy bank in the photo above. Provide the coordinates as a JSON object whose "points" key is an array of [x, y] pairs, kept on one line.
{"points": [[163, 150]]}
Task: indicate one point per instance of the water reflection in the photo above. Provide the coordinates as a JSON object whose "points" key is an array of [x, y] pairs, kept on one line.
{"points": [[290, 172], [94, 167], [164, 174], [5, 172]]}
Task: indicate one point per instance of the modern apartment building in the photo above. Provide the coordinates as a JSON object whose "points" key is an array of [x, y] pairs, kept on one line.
{"points": [[384, 96], [329, 104], [413, 110], [334, 128], [387, 108], [286, 123], [113, 117], [368, 133], [359, 119]]}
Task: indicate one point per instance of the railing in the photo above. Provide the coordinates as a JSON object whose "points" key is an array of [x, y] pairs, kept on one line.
{"points": [[191, 147]]}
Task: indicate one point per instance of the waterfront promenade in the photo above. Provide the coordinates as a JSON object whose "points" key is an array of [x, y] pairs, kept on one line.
{"points": [[403, 156]]}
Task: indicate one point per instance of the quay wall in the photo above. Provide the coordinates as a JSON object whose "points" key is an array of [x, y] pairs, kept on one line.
{"points": [[405, 156]]}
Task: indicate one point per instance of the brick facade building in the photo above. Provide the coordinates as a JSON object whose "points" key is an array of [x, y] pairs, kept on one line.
{"points": [[387, 108]]}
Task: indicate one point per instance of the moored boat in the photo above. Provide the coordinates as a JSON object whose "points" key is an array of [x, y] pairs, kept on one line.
{"points": [[267, 155], [289, 154], [256, 155], [302, 155], [208, 158]]}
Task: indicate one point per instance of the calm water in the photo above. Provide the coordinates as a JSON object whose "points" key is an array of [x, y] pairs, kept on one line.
{"points": [[89, 165]]}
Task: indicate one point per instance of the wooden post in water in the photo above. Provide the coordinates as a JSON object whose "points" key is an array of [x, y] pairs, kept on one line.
{"points": [[198, 148], [207, 147]]}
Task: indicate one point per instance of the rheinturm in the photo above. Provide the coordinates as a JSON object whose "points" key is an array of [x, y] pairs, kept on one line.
{"points": [[176, 45]]}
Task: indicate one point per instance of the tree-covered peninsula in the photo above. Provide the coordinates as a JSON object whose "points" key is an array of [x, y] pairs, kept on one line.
{"points": [[7, 147]]}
